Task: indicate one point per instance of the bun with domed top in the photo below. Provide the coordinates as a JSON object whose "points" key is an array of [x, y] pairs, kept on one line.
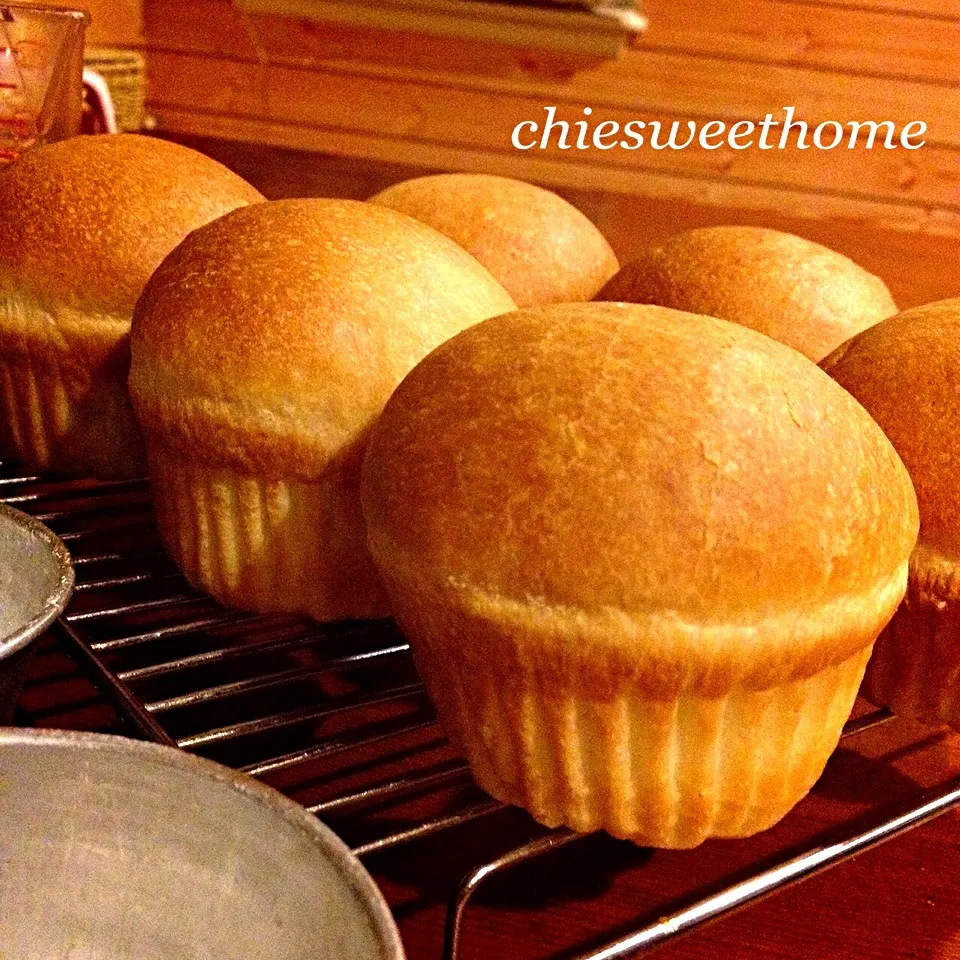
{"points": [[906, 372], [641, 557], [264, 348], [83, 225], [540, 247], [796, 291]]}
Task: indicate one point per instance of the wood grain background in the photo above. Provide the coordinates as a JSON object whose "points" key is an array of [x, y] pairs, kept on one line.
{"points": [[308, 107], [440, 103]]}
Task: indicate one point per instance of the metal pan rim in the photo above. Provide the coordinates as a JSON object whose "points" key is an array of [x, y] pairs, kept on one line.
{"points": [[328, 844], [55, 603]]}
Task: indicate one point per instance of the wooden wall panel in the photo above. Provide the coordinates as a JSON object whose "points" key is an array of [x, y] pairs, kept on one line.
{"points": [[938, 9], [564, 174], [676, 82], [114, 22], [215, 27], [433, 101], [855, 40], [918, 267], [476, 118]]}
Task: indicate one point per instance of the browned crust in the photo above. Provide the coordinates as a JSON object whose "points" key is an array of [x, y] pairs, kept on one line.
{"points": [[84, 222], [656, 653], [272, 338], [671, 498], [540, 247], [906, 372], [791, 289]]}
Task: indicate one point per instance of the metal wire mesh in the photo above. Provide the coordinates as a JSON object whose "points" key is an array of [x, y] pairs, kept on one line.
{"points": [[333, 715]]}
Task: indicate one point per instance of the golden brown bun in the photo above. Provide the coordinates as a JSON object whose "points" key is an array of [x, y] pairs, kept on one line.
{"points": [[906, 372], [83, 224], [616, 531], [614, 458], [791, 289], [541, 248], [263, 349], [272, 338]]}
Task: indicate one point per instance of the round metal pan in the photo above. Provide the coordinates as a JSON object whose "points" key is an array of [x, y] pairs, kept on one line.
{"points": [[36, 581], [113, 848]]}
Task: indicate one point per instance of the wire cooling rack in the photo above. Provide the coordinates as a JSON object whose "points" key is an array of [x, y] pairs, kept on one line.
{"points": [[336, 716]]}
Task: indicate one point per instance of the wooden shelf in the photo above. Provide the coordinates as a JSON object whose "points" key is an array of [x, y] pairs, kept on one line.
{"points": [[602, 31]]}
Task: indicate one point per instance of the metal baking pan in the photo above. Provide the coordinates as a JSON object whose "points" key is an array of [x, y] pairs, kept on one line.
{"points": [[114, 848], [36, 582]]}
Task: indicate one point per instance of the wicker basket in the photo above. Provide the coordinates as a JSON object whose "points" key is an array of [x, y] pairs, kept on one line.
{"points": [[123, 70]]}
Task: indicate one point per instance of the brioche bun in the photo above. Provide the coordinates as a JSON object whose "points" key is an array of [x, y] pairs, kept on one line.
{"points": [[641, 557], [906, 372], [541, 248], [83, 224], [791, 289], [264, 347]]}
